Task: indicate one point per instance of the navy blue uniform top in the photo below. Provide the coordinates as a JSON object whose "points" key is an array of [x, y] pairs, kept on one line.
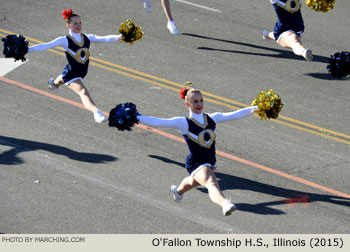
{"points": [[289, 17], [200, 140], [77, 55]]}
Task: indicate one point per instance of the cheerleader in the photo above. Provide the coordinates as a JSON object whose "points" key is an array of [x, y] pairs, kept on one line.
{"points": [[166, 7], [289, 27], [76, 46], [199, 131]]}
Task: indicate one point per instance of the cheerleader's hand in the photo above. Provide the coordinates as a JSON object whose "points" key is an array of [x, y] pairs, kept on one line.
{"points": [[15, 46], [130, 32], [269, 105]]}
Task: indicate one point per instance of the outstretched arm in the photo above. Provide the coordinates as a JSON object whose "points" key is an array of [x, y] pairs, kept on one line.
{"points": [[229, 116], [60, 41], [179, 123], [104, 39]]}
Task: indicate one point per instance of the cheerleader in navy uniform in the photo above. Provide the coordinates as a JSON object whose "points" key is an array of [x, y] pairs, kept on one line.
{"points": [[199, 131], [76, 46], [289, 27]]}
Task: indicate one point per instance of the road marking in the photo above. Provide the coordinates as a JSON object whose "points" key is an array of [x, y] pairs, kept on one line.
{"points": [[7, 65], [302, 199], [171, 136], [225, 102], [42, 92], [198, 5]]}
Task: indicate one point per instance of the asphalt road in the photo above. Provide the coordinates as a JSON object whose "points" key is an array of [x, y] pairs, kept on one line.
{"points": [[61, 172]]}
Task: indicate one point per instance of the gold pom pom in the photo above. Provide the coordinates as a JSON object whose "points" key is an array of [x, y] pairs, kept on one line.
{"points": [[320, 5], [269, 105], [130, 32]]}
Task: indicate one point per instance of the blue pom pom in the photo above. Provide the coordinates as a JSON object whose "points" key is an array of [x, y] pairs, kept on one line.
{"points": [[123, 116], [15, 47], [339, 65]]}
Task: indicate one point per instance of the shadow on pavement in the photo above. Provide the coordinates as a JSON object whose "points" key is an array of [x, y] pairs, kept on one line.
{"points": [[287, 54], [289, 197], [167, 160], [327, 76], [10, 157]]}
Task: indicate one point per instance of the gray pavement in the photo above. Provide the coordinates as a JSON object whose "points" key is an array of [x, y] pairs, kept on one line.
{"points": [[61, 172]]}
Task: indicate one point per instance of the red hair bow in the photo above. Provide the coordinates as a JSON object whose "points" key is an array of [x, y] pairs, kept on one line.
{"points": [[67, 14], [183, 92]]}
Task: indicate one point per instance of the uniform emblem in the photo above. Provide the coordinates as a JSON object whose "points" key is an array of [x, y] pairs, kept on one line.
{"points": [[205, 137], [82, 54], [289, 5]]}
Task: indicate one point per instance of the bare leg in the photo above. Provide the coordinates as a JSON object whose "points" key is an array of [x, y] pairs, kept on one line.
{"points": [[270, 36], [206, 177], [267, 35], [187, 184], [59, 81], [167, 11], [292, 41], [79, 88]]}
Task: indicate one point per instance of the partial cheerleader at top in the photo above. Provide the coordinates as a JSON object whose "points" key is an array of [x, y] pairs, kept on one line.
{"points": [[289, 27], [199, 132]]}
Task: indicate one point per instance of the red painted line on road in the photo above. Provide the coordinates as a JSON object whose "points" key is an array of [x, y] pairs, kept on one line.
{"points": [[176, 138], [161, 132], [39, 91], [283, 174], [302, 199]]}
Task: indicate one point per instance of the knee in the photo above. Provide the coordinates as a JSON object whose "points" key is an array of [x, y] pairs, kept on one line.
{"points": [[83, 91]]}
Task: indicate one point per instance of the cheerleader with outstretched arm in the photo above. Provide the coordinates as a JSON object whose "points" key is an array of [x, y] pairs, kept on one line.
{"points": [[76, 46], [199, 131]]}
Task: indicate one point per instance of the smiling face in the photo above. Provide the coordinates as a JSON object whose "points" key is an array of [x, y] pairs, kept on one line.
{"points": [[75, 24], [194, 102]]}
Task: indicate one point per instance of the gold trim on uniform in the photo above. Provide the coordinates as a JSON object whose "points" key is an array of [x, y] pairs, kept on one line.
{"points": [[77, 55], [204, 125], [288, 5], [76, 42], [201, 141]]}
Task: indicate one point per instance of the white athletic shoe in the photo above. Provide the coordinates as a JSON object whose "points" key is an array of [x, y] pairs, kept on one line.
{"points": [[265, 34], [99, 117], [228, 207], [172, 28], [147, 5], [307, 54], [178, 198], [51, 83]]}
